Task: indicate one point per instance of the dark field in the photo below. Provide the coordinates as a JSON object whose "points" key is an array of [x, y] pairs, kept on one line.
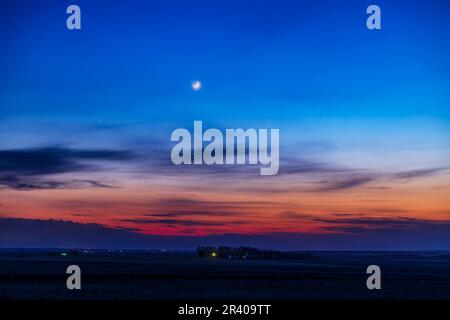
{"points": [[157, 275]]}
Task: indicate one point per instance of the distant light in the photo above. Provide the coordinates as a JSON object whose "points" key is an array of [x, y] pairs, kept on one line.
{"points": [[64, 254], [213, 254], [196, 85]]}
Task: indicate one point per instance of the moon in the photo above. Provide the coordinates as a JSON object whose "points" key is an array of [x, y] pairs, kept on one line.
{"points": [[196, 85]]}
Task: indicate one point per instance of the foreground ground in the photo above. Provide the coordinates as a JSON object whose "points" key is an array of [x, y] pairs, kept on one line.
{"points": [[164, 275]]}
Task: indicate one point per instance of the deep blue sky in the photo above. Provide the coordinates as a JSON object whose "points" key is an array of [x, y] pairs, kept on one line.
{"points": [[135, 60]]}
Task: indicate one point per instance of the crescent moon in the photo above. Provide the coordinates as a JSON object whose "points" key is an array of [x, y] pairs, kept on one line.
{"points": [[196, 85]]}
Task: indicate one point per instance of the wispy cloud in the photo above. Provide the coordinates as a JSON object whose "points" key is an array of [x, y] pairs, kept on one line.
{"points": [[417, 173], [66, 234], [358, 222], [29, 169], [176, 222], [32, 183], [42, 161], [346, 183]]}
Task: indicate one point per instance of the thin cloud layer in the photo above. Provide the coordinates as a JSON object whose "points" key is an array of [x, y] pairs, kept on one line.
{"points": [[65, 234]]}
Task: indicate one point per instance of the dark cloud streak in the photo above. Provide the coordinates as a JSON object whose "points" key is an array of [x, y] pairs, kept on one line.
{"points": [[26, 233], [27, 169]]}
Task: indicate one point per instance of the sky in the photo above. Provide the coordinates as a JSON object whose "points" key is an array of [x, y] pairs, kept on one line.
{"points": [[86, 118]]}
